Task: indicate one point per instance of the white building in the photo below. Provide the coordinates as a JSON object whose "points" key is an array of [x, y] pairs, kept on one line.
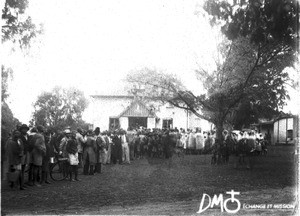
{"points": [[286, 129], [125, 111]]}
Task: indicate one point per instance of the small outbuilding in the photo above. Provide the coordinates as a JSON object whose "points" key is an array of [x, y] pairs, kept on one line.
{"points": [[286, 129]]}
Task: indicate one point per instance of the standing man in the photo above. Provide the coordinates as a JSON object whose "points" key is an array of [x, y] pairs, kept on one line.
{"points": [[117, 148], [46, 158], [125, 147], [109, 147], [31, 134], [80, 143], [89, 154], [39, 150], [63, 147], [63, 143], [26, 156]]}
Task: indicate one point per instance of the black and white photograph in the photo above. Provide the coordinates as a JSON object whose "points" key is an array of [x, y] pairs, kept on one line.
{"points": [[150, 107]]}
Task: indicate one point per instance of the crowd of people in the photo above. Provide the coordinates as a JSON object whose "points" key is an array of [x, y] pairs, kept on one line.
{"points": [[35, 148]]}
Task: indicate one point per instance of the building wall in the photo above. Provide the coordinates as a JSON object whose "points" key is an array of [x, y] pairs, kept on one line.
{"points": [[280, 129], [101, 109], [170, 112], [196, 122], [151, 122]]}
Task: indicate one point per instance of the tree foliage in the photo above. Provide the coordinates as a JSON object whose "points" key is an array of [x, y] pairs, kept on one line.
{"points": [[6, 74], [264, 21], [19, 29], [18, 26], [249, 69], [60, 108]]}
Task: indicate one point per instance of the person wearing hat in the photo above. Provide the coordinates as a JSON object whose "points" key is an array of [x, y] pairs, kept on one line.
{"points": [[25, 160], [63, 143]]}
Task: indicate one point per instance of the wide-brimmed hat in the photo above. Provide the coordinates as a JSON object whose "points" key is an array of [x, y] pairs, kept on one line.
{"points": [[23, 126]]}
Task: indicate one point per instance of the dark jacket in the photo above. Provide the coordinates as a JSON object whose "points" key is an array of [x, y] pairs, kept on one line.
{"points": [[71, 146], [26, 145], [14, 152]]}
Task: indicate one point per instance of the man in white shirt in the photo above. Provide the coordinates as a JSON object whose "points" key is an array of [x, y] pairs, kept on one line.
{"points": [[125, 148]]}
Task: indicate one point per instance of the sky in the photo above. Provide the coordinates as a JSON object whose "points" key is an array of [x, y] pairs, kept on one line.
{"points": [[94, 44]]}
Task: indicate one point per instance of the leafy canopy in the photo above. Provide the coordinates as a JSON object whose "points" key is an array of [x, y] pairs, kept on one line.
{"points": [[60, 107], [18, 26]]}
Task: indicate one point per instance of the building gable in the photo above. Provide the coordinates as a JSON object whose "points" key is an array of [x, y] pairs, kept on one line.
{"points": [[137, 109]]}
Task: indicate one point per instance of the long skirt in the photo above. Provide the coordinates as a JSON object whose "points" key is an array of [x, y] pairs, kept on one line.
{"points": [[103, 156]]}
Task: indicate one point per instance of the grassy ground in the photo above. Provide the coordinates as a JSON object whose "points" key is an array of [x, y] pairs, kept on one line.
{"points": [[155, 186]]}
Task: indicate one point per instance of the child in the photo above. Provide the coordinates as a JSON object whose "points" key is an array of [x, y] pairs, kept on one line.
{"points": [[72, 151]]}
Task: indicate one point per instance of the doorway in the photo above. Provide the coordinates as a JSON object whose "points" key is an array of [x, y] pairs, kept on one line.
{"points": [[137, 122]]}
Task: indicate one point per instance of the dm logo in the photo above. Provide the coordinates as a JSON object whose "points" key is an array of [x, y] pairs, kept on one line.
{"points": [[221, 202]]}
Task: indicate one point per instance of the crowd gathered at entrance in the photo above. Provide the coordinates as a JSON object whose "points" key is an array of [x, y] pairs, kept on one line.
{"points": [[34, 149]]}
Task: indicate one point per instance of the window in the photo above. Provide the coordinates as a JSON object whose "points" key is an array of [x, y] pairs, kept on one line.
{"points": [[167, 123]]}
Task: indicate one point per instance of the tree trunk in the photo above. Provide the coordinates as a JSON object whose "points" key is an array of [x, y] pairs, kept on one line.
{"points": [[219, 128]]}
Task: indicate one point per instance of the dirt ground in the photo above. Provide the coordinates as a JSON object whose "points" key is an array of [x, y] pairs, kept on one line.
{"points": [[157, 187]]}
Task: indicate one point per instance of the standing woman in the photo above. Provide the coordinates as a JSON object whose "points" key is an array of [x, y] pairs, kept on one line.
{"points": [[14, 155]]}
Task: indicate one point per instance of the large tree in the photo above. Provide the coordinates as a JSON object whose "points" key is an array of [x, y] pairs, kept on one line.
{"points": [[249, 67], [18, 29], [17, 24], [60, 108]]}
